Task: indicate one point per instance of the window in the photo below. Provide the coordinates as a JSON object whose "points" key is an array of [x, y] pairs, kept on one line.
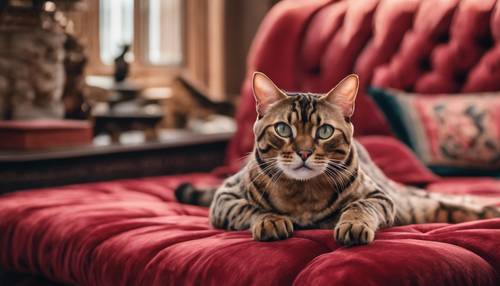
{"points": [[164, 32], [116, 27], [157, 25]]}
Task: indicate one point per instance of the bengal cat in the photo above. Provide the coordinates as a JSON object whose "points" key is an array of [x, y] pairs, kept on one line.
{"points": [[307, 171]]}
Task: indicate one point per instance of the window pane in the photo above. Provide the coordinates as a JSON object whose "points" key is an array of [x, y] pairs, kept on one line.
{"points": [[116, 27], [164, 32]]}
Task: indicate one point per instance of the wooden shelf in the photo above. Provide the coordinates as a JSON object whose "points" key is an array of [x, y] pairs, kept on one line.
{"points": [[184, 140], [175, 153]]}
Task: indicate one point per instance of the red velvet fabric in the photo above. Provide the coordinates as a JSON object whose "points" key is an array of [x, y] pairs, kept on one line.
{"points": [[132, 232], [397, 161]]}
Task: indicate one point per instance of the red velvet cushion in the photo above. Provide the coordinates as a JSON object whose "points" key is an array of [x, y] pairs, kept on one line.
{"points": [[396, 160], [132, 232], [431, 25], [451, 62], [391, 22], [484, 76]]}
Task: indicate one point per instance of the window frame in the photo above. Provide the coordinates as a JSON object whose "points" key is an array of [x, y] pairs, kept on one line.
{"points": [[141, 70], [204, 50]]}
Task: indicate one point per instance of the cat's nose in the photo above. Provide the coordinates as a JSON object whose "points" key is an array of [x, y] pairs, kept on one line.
{"points": [[304, 154]]}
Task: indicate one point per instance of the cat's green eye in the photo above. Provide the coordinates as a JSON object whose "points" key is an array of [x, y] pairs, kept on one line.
{"points": [[324, 132], [283, 129]]}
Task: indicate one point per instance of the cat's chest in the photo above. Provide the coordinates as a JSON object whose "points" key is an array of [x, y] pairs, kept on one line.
{"points": [[303, 206]]}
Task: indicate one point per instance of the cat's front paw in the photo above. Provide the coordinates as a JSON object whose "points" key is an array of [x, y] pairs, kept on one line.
{"points": [[271, 227], [355, 232]]}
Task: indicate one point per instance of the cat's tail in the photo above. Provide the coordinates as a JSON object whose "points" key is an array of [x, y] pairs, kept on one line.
{"points": [[186, 193], [427, 207]]}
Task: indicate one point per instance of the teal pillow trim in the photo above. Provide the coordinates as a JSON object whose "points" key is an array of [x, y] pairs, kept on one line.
{"points": [[393, 113], [461, 172]]}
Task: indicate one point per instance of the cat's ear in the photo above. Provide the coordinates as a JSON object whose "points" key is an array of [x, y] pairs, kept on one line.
{"points": [[343, 95], [265, 92]]}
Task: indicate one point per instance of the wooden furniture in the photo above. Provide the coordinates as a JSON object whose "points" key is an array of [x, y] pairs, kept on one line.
{"points": [[24, 135], [174, 152]]}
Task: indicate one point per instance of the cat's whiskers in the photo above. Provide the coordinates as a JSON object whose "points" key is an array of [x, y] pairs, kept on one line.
{"points": [[273, 180], [341, 176], [264, 170], [330, 177], [265, 189], [342, 170], [337, 175], [334, 177], [342, 167], [272, 163], [346, 174]]}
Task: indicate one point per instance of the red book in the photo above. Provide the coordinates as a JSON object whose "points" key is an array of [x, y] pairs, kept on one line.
{"points": [[44, 134]]}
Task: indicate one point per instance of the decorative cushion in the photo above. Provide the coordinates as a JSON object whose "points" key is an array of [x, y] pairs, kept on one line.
{"points": [[396, 160], [451, 134]]}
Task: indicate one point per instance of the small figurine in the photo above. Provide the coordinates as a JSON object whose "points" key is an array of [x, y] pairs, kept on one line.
{"points": [[121, 65]]}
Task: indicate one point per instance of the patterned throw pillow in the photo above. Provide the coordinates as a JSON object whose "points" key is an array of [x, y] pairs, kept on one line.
{"points": [[452, 134]]}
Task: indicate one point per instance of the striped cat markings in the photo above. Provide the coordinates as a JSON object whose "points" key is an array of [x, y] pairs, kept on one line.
{"points": [[307, 171]]}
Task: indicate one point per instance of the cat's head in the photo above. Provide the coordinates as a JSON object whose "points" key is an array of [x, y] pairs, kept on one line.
{"points": [[302, 134]]}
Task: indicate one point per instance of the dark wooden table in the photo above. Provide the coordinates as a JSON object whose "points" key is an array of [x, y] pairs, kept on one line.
{"points": [[175, 152]]}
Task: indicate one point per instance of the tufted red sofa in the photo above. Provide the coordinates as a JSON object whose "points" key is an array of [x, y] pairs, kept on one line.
{"points": [[133, 232], [418, 46]]}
